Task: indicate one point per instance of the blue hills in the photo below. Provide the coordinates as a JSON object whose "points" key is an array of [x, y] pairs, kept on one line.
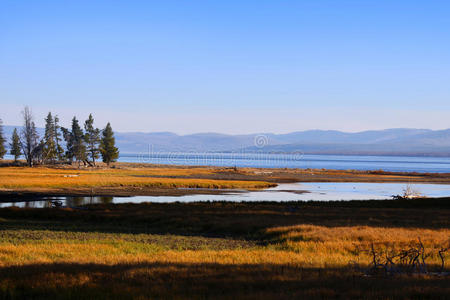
{"points": [[399, 141]]}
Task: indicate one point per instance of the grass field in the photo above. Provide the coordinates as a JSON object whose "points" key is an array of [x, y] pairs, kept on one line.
{"points": [[218, 250], [16, 178]]}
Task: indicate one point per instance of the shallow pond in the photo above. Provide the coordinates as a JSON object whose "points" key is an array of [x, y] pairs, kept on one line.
{"points": [[318, 191]]}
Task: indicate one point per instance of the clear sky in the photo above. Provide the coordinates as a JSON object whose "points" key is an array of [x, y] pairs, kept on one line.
{"points": [[228, 66]]}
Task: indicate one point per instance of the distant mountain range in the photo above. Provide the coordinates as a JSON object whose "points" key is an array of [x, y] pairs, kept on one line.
{"points": [[377, 142], [380, 142]]}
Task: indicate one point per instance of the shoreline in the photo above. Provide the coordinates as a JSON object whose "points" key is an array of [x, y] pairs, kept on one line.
{"points": [[221, 180]]}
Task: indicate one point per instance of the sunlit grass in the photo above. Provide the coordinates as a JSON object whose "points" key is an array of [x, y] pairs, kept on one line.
{"points": [[214, 250], [341, 245], [319, 265], [303, 245], [18, 177]]}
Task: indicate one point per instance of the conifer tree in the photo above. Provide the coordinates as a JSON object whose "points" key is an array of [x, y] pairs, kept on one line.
{"points": [[58, 140], [69, 145], [2, 141], [49, 151], [75, 145], [107, 147], [79, 148], [92, 138], [15, 145]]}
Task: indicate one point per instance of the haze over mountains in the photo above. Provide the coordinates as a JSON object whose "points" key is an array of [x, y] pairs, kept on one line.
{"points": [[377, 142], [383, 142]]}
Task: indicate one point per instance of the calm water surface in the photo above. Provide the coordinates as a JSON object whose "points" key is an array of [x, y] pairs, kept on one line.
{"points": [[318, 191], [264, 160]]}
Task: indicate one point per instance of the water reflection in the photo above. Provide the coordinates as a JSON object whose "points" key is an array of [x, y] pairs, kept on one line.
{"points": [[80, 201], [69, 201]]}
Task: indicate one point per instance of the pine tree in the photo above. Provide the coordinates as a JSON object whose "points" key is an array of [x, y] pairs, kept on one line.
{"points": [[69, 145], [58, 140], [49, 151], [92, 138], [15, 145], [2, 141], [107, 147], [79, 148], [75, 142]]}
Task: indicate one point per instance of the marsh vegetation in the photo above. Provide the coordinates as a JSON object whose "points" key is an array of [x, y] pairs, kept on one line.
{"points": [[218, 250]]}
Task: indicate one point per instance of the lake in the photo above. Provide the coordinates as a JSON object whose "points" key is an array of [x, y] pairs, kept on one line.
{"points": [[264, 160], [318, 191], [312, 161]]}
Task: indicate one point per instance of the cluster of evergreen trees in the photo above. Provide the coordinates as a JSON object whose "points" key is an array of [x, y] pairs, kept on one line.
{"points": [[81, 145]]}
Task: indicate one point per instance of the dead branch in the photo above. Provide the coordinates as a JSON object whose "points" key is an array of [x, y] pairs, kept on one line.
{"points": [[413, 260]]}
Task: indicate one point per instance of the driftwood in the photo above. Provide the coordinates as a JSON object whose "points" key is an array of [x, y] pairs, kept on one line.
{"points": [[412, 260]]}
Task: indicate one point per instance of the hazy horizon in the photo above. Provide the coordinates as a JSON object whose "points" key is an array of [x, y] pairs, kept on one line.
{"points": [[67, 124]]}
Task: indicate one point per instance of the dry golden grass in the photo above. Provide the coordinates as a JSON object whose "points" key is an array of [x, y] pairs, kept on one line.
{"points": [[121, 254], [214, 250], [301, 246], [21, 177], [316, 268], [335, 246]]}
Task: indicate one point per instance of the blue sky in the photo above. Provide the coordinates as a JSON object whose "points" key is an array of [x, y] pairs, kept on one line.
{"points": [[228, 66]]}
